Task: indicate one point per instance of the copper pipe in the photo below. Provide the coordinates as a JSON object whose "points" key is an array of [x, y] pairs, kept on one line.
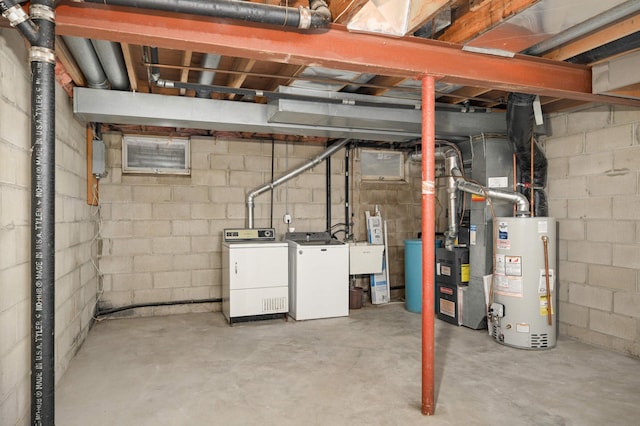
{"points": [[545, 242], [531, 195], [428, 243]]}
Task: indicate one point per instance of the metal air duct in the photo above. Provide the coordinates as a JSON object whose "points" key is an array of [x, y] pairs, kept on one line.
{"points": [[112, 62], [85, 55]]}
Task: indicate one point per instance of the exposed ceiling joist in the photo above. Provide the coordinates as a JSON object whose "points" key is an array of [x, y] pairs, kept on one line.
{"points": [[131, 71], [333, 48]]}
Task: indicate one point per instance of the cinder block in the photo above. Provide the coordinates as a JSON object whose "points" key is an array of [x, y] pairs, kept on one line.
{"points": [[626, 208], [590, 164], [247, 179], [244, 146], [129, 282], [626, 256], [208, 211], [571, 229], [574, 314], [625, 115], [557, 168], [130, 211], [575, 272], [309, 211], [239, 211], [294, 195], [610, 324], [556, 124], [152, 263], [152, 295], [190, 227], [171, 211], [123, 228], [203, 144], [205, 277], [199, 194], [228, 162], [130, 246], [611, 231], [610, 138], [572, 187], [627, 159], [151, 194], [626, 304], [558, 208], [590, 119], [616, 182], [206, 243], [8, 329], [590, 208], [589, 252], [259, 163], [209, 177], [171, 245], [591, 297], [171, 279], [191, 293], [116, 264], [566, 146], [150, 228], [226, 195], [192, 261]]}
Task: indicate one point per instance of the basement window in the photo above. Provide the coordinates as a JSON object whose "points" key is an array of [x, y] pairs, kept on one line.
{"points": [[382, 165], [156, 155]]}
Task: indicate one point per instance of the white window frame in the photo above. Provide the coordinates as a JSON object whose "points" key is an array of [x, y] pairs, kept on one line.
{"points": [[386, 156], [155, 165]]}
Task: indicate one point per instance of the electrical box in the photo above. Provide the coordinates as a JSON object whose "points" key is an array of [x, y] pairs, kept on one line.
{"points": [[98, 162]]}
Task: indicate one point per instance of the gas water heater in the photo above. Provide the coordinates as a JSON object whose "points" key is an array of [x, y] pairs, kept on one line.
{"points": [[522, 311]]}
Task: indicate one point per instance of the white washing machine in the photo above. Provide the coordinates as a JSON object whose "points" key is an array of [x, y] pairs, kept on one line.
{"points": [[318, 276]]}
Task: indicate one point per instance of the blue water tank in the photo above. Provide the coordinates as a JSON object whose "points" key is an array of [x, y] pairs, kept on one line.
{"points": [[413, 274]]}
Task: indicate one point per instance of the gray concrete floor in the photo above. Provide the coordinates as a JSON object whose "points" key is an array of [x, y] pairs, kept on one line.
{"points": [[361, 370]]}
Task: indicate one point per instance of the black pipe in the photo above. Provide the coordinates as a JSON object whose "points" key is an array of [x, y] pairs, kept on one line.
{"points": [[347, 221], [273, 156], [19, 19], [43, 164], [520, 123], [101, 313], [328, 191], [318, 16], [616, 47]]}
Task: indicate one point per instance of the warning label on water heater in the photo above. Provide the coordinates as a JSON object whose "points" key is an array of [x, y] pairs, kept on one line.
{"points": [[503, 236]]}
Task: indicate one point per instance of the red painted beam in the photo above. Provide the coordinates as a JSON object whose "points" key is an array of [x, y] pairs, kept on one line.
{"points": [[407, 57], [428, 243]]}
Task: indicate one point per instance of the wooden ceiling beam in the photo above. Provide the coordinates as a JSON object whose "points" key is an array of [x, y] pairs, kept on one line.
{"points": [[243, 65], [70, 65], [407, 57], [131, 71], [343, 10], [599, 38], [184, 72], [483, 17]]}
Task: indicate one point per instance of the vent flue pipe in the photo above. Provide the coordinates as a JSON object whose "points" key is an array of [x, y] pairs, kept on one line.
{"points": [[317, 15], [290, 175]]}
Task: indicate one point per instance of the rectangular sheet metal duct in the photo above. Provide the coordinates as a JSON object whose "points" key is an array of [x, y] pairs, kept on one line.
{"points": [[290, 117]]}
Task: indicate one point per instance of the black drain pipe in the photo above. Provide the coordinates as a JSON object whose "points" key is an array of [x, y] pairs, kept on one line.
{"points": [[520, 124], [317, 15], [19, 19], [43, 62], [328, 191]]}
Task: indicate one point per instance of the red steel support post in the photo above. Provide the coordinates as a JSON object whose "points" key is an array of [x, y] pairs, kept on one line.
{"points": [[428, 243]]}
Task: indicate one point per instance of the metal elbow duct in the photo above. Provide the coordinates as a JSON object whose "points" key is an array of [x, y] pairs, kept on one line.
{"points": [[316, 16], [453, 173], [290, 175], [85, 56], [522, 204], [112, 61]]}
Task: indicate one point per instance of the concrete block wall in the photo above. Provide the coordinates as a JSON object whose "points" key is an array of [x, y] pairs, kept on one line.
{"points": [[594, 192], [75, 276], [400, 205], [161, 237]]}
